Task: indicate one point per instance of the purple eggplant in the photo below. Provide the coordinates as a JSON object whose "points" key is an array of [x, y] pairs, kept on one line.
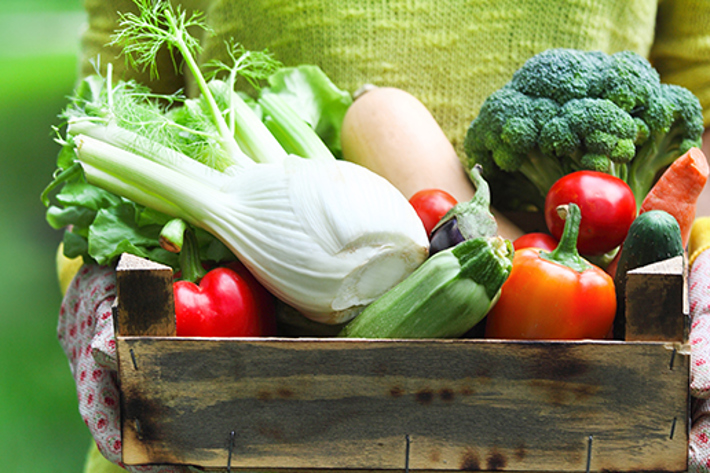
{"points": [[466, 220]]}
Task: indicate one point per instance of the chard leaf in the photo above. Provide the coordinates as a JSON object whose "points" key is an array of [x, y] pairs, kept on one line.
{"points": [[90, 90], [59, 217], [165, 257], [75, 246], [147, 216], [211, 249], [66, 157], [115, 231], [81, 193]]}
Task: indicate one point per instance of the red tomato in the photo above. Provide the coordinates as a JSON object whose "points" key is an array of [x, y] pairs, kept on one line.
{"points": [[546, 300], [535, 240], [226, 303], [607, 204], [431, 205]]}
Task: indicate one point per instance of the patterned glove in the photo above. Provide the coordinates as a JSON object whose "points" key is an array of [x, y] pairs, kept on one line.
{"points": [[699, 338], [86, 334]]}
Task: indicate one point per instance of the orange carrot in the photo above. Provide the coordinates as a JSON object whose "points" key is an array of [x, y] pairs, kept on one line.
{"points": [[678, 189]]}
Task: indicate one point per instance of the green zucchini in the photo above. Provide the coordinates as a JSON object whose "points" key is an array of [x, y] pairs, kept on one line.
{"points": [[653, 236], [444, 298]]}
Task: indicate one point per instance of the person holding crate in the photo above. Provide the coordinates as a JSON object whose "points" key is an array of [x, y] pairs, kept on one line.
{"points": [[451, 55]]}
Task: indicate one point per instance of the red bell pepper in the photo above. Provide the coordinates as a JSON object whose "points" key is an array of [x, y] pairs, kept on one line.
{"points": [[226, 303]]}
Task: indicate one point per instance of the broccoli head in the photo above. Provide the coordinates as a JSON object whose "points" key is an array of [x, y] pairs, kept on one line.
{"points": [[566, 110]]}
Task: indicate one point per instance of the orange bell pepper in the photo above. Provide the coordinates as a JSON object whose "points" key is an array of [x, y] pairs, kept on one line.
{"points": [[554, 295]]}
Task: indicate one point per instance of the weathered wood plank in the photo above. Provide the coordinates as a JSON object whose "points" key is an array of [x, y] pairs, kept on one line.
{"points": [[656, 302], [297, 404], [145, 304], [350, 404]]}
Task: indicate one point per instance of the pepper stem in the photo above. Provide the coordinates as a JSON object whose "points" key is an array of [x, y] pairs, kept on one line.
{"points": [[566, 252], [190, 261], [172, 235]]}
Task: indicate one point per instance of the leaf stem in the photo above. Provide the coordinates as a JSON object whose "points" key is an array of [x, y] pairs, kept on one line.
{"points": [[146, 182], [296, 136], [227, 137]]}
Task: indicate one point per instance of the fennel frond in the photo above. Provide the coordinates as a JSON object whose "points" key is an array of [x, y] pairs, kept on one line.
{"points": [[253, 66], [156, 26], [325, 236]]}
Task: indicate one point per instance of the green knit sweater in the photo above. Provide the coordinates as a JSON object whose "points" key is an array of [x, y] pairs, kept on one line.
{"points": [[451, 54]]}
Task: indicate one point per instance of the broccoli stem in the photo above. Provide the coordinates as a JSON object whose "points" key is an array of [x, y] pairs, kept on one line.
{"points": [[620, 170], [542, 170], [659, 152]]}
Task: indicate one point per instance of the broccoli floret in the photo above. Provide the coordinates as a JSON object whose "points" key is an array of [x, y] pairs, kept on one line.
{"points": [[676, 133], [566, 110], [505, 136]]}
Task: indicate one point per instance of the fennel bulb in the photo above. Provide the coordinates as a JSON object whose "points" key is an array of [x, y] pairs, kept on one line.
{"points": [[327, 237]]}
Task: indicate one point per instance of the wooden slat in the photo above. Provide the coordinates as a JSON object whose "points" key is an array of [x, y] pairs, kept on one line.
{"points": [[656, 302], [301, 404], [145, 304], [464, 404]]}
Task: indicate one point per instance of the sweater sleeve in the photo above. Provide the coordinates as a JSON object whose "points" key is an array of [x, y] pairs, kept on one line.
{"points": [[681, 49]]}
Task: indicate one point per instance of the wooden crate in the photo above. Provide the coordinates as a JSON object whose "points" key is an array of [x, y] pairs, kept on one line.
{"points": [[298, 404]]}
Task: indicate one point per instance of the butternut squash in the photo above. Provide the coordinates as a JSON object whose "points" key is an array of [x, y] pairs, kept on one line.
{"points": [[392, 133]]}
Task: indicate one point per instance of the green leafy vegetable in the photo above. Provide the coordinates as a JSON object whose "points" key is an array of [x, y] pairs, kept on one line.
{"points": [[326, 236]]}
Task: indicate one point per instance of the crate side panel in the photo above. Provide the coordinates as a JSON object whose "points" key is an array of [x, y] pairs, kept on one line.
{"points": [[656, 296], [145, 303], [353, 404]]}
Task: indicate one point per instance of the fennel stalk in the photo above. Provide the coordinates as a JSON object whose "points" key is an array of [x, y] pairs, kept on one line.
{"points": [[326, 236]]}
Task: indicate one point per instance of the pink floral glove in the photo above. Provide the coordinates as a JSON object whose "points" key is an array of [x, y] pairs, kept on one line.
{"points": [[699, 296], [86, 334]]}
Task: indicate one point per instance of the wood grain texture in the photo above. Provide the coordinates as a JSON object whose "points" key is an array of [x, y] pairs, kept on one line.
{"points": [[656, 302], [471, 405], [483, 405], [145, 304]]}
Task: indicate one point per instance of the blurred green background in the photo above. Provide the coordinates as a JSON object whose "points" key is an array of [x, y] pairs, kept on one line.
{"points": [[40, 427]]}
